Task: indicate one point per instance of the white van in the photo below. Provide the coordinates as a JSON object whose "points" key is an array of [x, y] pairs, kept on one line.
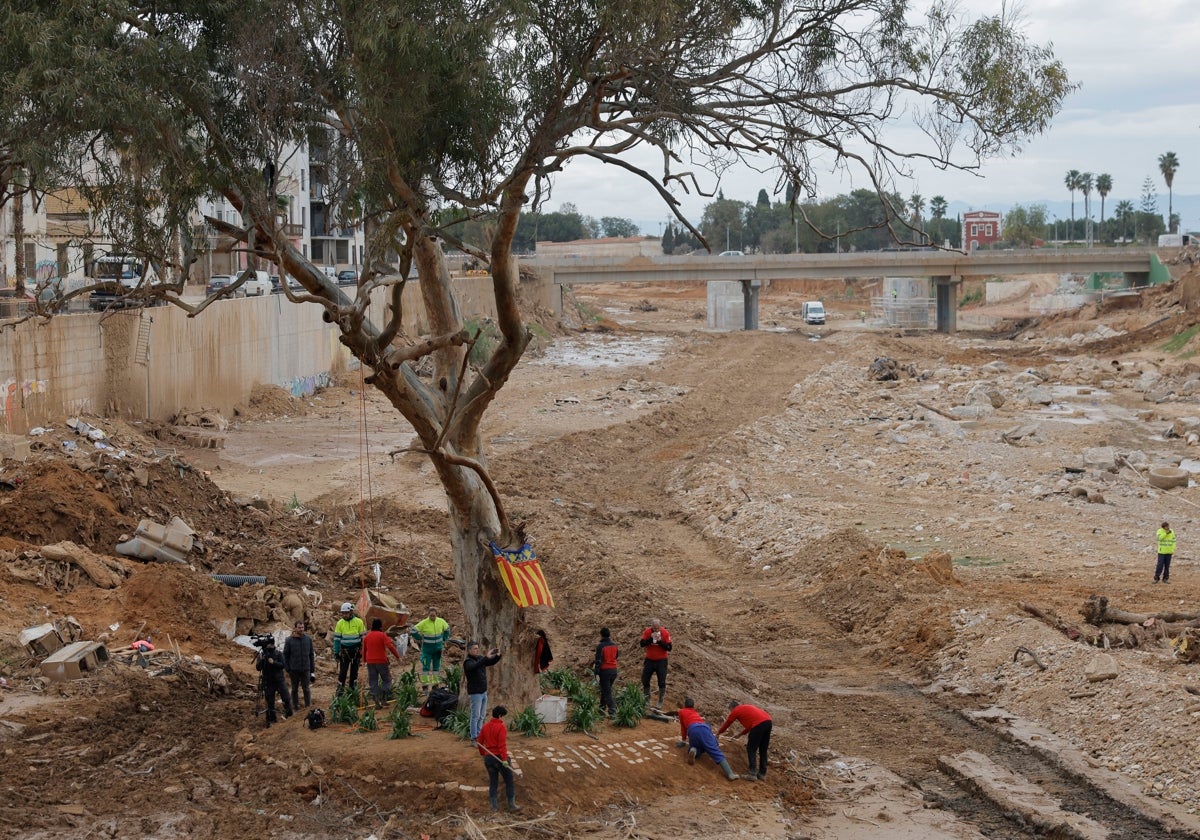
{"points": [[1175, 240], [813, 312], [258, 283]]}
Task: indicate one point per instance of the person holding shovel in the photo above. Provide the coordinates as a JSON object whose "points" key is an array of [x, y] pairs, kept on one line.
{"points": [[493, 746]]}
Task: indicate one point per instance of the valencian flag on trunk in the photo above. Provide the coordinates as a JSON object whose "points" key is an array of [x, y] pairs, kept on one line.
{"points": [[522, 576]]}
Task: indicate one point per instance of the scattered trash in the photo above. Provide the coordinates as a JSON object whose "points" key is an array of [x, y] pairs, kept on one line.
{"points": [[304, 559], [69, 445], [238, 580], [36, 431]]}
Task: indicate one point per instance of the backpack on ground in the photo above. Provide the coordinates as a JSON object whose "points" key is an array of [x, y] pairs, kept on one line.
{"points": [[315, 718], [439, 704]]}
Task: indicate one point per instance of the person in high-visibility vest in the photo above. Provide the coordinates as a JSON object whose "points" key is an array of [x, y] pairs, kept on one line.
{"points": [[432, 632], [347, 646], [1166, 550]]}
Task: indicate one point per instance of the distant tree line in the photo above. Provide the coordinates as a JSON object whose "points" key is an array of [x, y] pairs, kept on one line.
{"points": [[859, 221], [565, 225]]}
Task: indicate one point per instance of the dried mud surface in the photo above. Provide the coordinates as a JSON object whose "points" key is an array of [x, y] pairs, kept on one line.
{"points": [[816, 541]]}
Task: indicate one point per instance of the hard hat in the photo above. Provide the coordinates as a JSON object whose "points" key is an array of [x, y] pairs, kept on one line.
{"points": [[347, 607]]}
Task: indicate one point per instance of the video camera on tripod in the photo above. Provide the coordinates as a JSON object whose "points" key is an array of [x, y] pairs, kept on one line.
{"points": [[265, 643]]}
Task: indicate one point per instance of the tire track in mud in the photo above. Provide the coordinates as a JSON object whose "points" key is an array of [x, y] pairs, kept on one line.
{"points": [[737, 634]]}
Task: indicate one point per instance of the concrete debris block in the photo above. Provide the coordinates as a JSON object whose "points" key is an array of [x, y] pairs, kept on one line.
{"points": [[1102, 667], [1181, 426], [970, 412], [1095, 497], [1147, 380], [1100, 458], [1027, 378], [1037, 396], [1192, 386], [152, 541], [1136, 459], [40, 641], [15, 447], [1146, 415], [1017, 433], [196, 438], [995, 367], [985, 394], [75, 661]]}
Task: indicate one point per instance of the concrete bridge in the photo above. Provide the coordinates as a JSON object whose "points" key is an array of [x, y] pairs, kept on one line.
{"points": [[946, 268]]}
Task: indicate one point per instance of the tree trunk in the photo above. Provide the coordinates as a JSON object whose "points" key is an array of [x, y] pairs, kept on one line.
{"points": [[493, 618], [18, 222]]}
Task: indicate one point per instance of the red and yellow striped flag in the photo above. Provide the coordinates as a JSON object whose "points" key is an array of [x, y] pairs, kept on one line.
{"points": [[522, 576]]}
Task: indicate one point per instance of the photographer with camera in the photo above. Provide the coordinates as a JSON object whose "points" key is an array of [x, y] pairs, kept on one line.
{"points": [[656, 645], [270, 664]]}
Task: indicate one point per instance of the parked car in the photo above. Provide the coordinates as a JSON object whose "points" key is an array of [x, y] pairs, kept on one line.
{"points": [[218, 282], [347, 277], [731, 254], [814, 312]]}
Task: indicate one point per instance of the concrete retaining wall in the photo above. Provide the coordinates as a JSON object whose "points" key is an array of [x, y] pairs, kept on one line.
{"points": [[1000, 291], [151, 363]]}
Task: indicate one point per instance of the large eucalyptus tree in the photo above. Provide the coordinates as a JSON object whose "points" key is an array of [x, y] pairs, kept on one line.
{"points": [[424, 105]]}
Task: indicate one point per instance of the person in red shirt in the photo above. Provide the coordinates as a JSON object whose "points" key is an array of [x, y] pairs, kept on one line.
{"points": [[697, 735], [758, 723], [656, 643], [376, 645], [493, 746], [606, 669]]}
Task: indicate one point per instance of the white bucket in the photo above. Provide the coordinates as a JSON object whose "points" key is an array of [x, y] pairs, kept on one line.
{"points": [[551, 709]]}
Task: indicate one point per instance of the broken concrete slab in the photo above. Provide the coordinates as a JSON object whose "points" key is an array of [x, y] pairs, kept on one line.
{"points": [[75, 661], [105, 572], [1013, 793], [152, 541], [1102, 667], [40, 641]]}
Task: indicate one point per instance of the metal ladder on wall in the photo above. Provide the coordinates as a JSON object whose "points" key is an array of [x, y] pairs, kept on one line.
{"points": [[141, 350]]}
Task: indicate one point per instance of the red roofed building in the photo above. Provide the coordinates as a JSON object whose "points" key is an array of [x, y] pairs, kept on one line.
{"points": [[980, 227]]}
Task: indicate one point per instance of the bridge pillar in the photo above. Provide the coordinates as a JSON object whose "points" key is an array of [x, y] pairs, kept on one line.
{"points": [[750, 300], [946, 294]]}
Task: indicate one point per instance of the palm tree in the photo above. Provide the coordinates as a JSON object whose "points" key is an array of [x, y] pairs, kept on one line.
{"points": [[1167, 165], [1072, 182], [1104, 187], [916, 203], [1086, 182], [938, 206], [1124, 212]]}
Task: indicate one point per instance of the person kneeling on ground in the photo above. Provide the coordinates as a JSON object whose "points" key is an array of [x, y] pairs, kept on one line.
{"points": [[493, 746], [700, 739]]}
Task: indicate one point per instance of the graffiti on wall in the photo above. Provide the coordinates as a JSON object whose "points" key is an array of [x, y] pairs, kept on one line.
{"points": [[305, 386], [16, 394], [45, 269]]}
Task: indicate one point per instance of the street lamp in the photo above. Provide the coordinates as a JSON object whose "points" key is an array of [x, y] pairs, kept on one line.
{"points": [[726, 236]]}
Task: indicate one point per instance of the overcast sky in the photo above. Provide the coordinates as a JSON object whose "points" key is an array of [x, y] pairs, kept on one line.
{"points": [[1138, 66]]}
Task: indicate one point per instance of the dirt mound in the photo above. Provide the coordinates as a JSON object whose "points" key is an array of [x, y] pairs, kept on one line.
{"points": [[55, 501], [268, 401]]}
